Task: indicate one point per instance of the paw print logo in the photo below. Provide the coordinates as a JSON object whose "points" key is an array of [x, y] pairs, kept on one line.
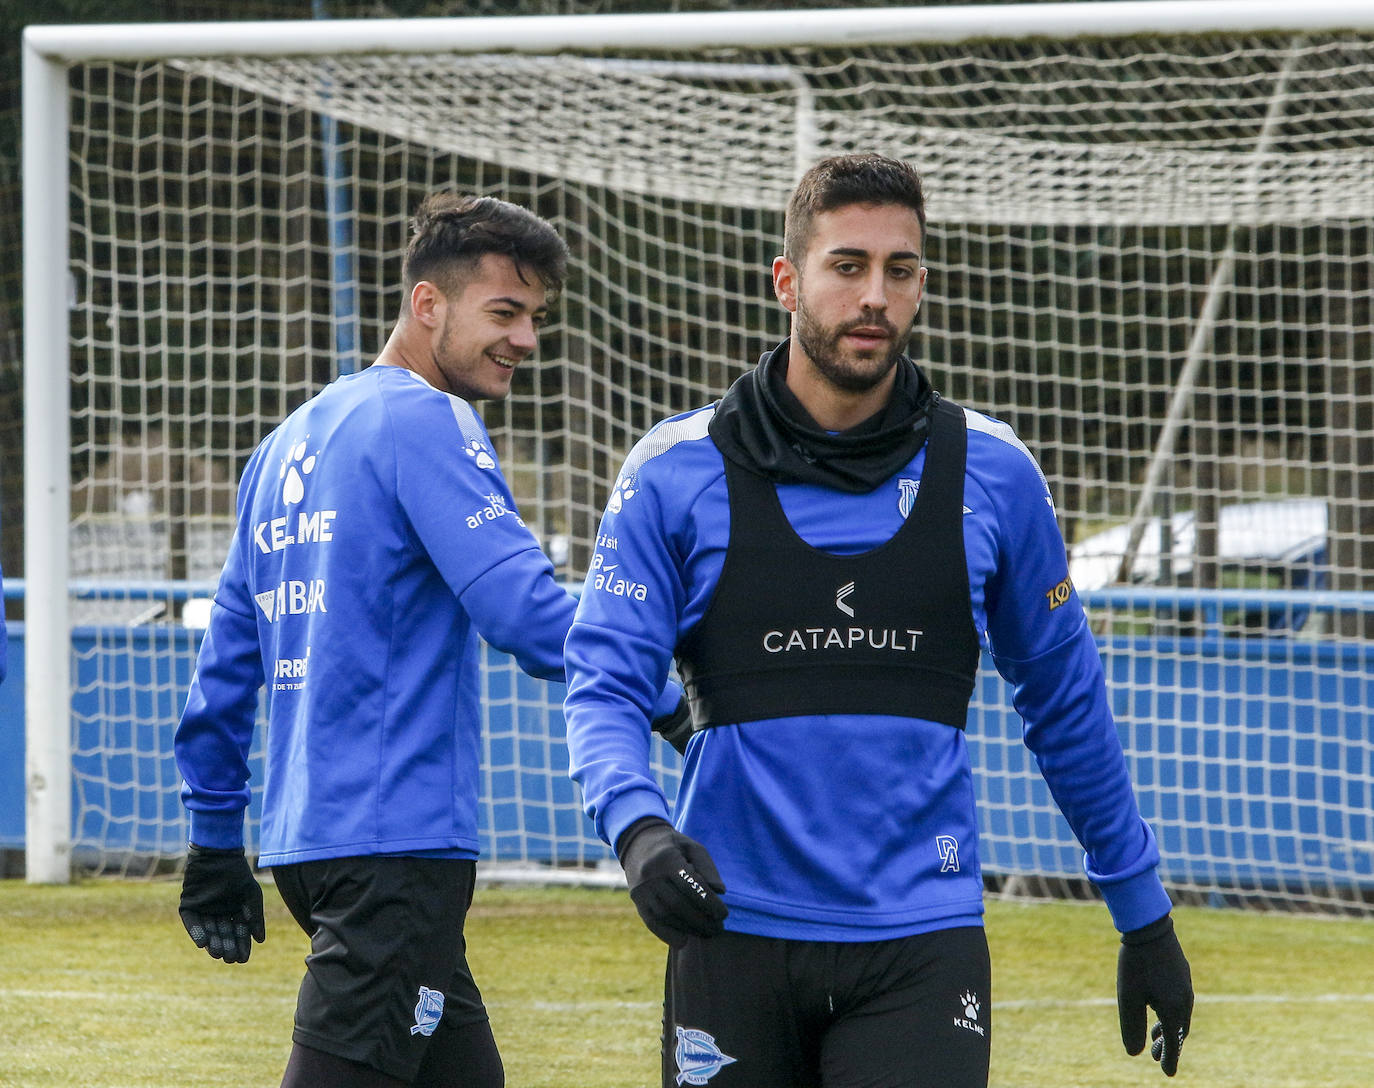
{"points": [[295, 467], [622, 491], [971, 1004], [477, 451]]}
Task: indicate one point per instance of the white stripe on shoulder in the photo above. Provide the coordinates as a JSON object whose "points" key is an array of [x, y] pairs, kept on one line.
{"points": [[987, 425], [664, 436], [469, 425]]}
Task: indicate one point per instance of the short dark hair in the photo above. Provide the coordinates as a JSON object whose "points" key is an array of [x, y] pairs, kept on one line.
{"points": [[453, 232], [842, 180]]}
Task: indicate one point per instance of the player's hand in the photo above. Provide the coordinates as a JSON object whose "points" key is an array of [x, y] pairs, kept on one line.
{"points": [[673, 882], [221, 903], [1152, 970], [675, 728]]}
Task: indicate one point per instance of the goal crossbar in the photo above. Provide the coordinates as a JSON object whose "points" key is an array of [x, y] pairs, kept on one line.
{"points": [[681, 31]]}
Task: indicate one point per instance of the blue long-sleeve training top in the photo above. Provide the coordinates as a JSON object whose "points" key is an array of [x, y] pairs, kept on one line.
{"points": [[376, 540], [846, 827]]}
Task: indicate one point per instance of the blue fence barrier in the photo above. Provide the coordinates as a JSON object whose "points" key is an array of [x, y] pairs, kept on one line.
{"points": [[1253, 758]]}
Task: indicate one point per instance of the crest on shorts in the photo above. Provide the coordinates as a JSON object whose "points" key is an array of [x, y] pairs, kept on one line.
{"points": [[698, 1057], [427, 1011]]}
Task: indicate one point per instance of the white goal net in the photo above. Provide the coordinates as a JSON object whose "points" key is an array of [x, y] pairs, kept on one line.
{"points": [[1150, 252]]}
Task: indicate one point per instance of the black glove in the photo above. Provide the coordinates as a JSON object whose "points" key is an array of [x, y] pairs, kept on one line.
{"points": [[1152, 970], [676, 727], [673, 882], [221, 903]]}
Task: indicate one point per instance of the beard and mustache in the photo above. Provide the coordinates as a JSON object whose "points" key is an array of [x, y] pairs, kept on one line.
{"points": [[842, 367]]}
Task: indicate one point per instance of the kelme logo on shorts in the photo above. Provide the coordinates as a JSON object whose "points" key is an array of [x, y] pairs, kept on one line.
{"points": [[698, 1057], [970, 1006], [427, 1011]]}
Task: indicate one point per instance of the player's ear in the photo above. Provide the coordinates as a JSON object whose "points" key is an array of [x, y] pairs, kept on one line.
{"points": [[785, 283], [427, 303]]}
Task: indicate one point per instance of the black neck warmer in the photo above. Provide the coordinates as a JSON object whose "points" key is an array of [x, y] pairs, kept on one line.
{"points": [[760, 425]]}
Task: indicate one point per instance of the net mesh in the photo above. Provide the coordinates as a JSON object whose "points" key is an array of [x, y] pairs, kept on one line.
{"points": [[1150, 255]]}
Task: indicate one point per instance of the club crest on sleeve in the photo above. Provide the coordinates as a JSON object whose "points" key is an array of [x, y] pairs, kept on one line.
{"points": [[698, 1057], [427, 1011]]}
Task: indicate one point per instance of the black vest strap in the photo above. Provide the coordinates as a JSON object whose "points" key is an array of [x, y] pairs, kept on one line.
{"points": [[791, 630]]}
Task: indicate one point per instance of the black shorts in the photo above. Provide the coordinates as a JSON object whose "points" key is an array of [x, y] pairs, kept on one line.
{"points": [[759, 1012], [388, 961]]}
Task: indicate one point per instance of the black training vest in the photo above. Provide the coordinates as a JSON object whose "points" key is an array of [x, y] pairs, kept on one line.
{"points": [[791, 630]]}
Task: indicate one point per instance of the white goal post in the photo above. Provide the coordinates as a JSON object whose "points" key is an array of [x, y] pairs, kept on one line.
{"points": [[1151, 227]]}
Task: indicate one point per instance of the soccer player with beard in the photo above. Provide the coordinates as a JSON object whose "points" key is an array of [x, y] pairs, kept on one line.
{"points": [[826, 552]]}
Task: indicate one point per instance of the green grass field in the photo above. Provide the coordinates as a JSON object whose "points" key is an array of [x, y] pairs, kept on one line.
{"points": [[101, 988]]}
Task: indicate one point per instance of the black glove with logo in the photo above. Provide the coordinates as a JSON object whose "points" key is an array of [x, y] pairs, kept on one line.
{"points": [[1152, 970], [675, 728], [221, 903], [673, 882]]}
